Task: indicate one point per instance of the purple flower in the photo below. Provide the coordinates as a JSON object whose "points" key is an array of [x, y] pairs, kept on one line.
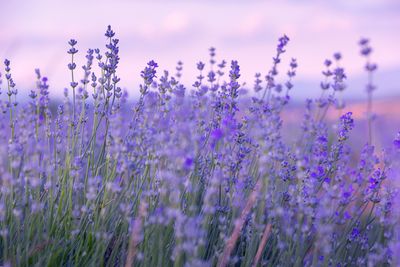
{"points": [[327, 62], [234, 73], [211, 76], [149, 72], [283, 41], [200, 66], [324, 85], [109, 33], [365, 51], [363, 41], [72, 42], [71, 66], [337, 56], [371, 67], [72, 50], [257, 83], [346, 124], [179, 68], [365, 48], [354, 235], [339, 78]]}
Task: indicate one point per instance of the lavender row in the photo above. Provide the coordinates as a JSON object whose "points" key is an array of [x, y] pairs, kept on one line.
{"points": [[191, 176]]}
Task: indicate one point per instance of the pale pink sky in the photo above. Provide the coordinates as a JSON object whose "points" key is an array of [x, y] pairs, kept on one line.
{"points": [[34, 34]]}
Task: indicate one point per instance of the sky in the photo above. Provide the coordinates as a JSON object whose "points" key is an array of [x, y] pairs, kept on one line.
{"points": [[34, 34]]}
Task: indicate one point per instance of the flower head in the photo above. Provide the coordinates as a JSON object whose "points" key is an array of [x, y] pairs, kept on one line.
{"points": [[149, 72], [109, 33]]}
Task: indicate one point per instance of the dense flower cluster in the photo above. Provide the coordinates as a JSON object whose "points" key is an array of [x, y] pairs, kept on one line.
{"points": [[199, 177]]}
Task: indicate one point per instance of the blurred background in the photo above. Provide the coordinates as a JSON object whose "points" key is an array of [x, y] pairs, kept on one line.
{"points": [[34, 34]]}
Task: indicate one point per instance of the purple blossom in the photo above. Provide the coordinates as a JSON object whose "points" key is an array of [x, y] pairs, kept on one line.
{"points": [[337, 56], [200, 66], [149, 72], [109, 33]]}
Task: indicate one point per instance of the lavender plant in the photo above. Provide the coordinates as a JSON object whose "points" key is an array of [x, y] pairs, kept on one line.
{"points": [[195, 176]]}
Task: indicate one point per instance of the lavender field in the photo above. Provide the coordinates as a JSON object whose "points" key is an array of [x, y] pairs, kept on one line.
{"points": [[211, 173]]}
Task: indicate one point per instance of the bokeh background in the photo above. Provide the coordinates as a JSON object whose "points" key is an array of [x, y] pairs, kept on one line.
{"points": [[34, 34]]}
